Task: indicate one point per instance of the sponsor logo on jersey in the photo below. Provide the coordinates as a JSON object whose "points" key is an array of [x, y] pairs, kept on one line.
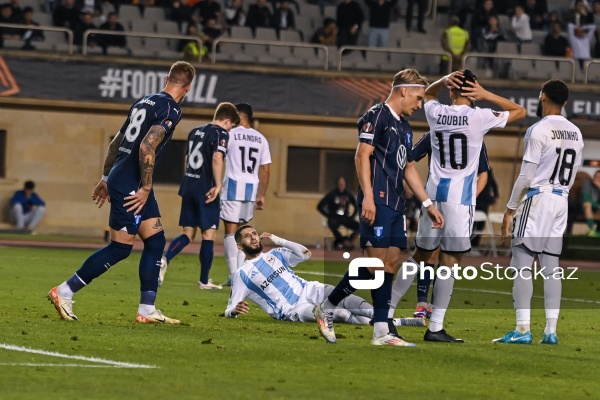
{"points": [[401, 156], [223, 143], [272, 277]]}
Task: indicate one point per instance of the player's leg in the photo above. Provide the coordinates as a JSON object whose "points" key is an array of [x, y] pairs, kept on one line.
{"points": [[17, 216], [334, 225], [206, 256], [153, 236], [35, 216], [188, 219], [588, 213], [175, 247], [230, 248], [552, 294], [358, 306], [423, 309], [102, 260]]}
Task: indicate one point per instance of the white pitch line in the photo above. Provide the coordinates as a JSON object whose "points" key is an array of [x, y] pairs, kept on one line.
{"points": [[457, 288], [59, 365], [118, 364]]}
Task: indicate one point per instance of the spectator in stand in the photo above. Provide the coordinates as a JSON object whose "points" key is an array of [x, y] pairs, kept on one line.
{"points": [[410, 5], [191, 51], [349, 19], [93, 7], [235, 14], [142, 4], [207, 9], [17, 11], [538, 13], [520, 25], [462, 9], [179, 12], [283, 17], [379, 21], [6, 17], [106, 7], [210, 33], [86, 22], [581, 14], [113, 25], [506, 7], [596, 9], [259, 15], [456, 41], [26, 207], [480, 21], [580, 39], [66, 15], [490, 36], [327, 34], [32, 35], [555, 44]]}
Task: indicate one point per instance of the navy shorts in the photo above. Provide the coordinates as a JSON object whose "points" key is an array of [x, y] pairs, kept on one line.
{"points": [[196, 213], [120, 218], [388, 230]]}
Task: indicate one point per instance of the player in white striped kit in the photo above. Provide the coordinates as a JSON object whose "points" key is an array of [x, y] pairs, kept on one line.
{"points": [[457, 132], [267, 280], [538, 207], [245, 184]]}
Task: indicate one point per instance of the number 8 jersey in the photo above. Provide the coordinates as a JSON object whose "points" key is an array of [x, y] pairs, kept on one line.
{"points": [[457, 133], [156, 109]]}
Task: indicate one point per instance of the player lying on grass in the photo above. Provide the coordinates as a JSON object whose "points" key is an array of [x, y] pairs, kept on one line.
{"points": [[267, 280]]}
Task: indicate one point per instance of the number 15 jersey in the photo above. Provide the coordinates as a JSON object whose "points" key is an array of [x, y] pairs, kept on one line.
{"points": [[457, 133], [156, 109]]}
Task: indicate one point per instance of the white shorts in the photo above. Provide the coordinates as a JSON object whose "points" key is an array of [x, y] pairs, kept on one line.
{"points": [[540, 223], [238, 212], [455, 236], [314, 293]]}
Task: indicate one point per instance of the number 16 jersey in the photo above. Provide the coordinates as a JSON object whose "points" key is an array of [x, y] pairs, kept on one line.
{"points": [[457, 133]]}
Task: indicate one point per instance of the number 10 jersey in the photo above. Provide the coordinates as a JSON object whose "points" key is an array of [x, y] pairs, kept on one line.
{"points": [[457, 133]]}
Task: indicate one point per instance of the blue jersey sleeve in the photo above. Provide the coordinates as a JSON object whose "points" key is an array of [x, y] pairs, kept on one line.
{"points": [[422, 148], [484, 165], [168, 116], [370, 126], [222, 141]]}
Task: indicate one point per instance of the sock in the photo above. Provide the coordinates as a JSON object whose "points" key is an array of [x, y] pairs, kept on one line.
{"points": [[400, 288], [442, 292], [100, 262], [423, 284], [147, 300], [207, 252], [343, 289], [590, 223], [357, 306], [522, 292], [381, 305], [176, 246], [231, 253], [150, 261], [68, 288], [552, 291], [550, 324]]}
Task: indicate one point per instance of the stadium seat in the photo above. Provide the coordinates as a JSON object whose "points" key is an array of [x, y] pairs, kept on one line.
{"points": [[399, 61], [43, 19], [520, 68], [290, 36], [280, 52], [531, 49], [157, 45], [143, 26], [135, 42], [154, 14], [241, 32], [118, 51], [52, 39], [507, 48], [594, 73], [169, 27], [129, 13], [374, 60], [265, 34], [350, 60], [330, 12], [487, 230], [543, 70]]}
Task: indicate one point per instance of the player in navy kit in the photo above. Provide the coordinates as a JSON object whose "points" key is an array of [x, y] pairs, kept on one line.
{"points": [[200, 188], [382, 163], [127, 184]]}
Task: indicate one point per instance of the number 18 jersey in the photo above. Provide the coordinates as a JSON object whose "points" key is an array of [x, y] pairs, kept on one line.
{"points": [[156, 109], [457, 133], [248, 149]]}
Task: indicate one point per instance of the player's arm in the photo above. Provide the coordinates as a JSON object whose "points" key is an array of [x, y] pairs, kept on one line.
{"points": [[264, 173], [363, 170], [519, 189], [147, 159], [482, 169], [100, 193], [452, 80], [298, 254], [218, 166], [421, 148], [412, 178], [476, 92], [482, 179], [239, 291]]}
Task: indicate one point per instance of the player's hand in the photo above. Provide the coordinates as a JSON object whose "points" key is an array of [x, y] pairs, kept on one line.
{"points": [[474, 91], [100, 194], [436, 217], [137, 201], [368, 211], [260, 202], [241, 308], [507, 222], [265, 235], [454, 80], [212, 194]]}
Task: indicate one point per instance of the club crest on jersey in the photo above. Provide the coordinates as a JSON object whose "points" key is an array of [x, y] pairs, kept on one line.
{"points": [[223, 143], [378, 230], [401, 156], [367, 127], [271, 259], [169, 124], [137, 219]]}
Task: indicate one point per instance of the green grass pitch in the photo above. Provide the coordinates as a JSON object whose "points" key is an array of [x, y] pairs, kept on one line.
{"points": [[255, 357]]}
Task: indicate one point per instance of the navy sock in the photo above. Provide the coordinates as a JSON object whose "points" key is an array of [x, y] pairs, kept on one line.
{"points": [[150, 262], [381, 299], [176, 246], [101, 261], [343, 289], [207, 252], [423, 285], [148, 298], [75, 284]]}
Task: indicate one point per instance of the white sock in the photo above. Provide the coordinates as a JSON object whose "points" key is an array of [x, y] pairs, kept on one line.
{"points": [[327, 305], [65, 291], [442, 293], [550, 325], [146, 309], [231, 253], [436, 321], [552, 291], [400, 288], [380, 329], [523, 320], [357, 305]]}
